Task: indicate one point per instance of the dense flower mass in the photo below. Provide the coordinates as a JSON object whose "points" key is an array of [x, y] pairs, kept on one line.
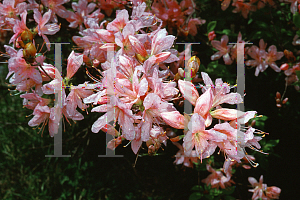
{"points": [[140, 80]]}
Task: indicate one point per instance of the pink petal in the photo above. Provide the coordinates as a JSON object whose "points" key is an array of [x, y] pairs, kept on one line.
{"points": [[204, 103], [188, 91], [174, 119]]}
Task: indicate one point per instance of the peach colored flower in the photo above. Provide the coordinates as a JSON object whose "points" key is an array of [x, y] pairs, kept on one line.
{"points": [[223, 48]]}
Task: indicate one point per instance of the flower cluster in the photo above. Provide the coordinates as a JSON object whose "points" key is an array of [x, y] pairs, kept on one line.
{"points": [[261, 58], [262, 191], [137, 91]]}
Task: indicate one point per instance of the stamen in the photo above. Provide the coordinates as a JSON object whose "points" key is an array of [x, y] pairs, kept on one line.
{"points": [[127, 143]]}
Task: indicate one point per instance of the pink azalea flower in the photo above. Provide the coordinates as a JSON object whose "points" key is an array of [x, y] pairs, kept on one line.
{"points": [[118, 111], [138, 46], [272, 56], [119, 22], [181, 158], [135, 90], [19, 27], [192, 28], [43, 114], [242, 7], [11, 8], [262, 191], [43, 28], [75, 97], [22, 70], [198, 137], [166, 91], [221, 91], [223, 48], [56, 7], [31, 100], [153, 107], [264, 59], [82, 10], [217, 179], [74, 62], [259, 59], [161, 41]]}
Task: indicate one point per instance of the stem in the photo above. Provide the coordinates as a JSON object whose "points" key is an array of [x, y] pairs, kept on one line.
{"points": [[284, 91]]}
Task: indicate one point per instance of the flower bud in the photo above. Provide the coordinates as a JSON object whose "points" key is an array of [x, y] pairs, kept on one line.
{"points": [[278, 105], [194, 63], [211, 35], [285, 100], [177, 77], [29, 52], [181, 72], [278, 95], [26, 35], [278, 101], [284, 66]]}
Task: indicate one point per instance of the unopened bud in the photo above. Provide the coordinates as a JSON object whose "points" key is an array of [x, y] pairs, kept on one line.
{"points": [[278, 105], [284, 66], [26, 36], [278, 95], [177, 77], [211, 35], [285, 100], [181, 72], [29, 52], [194, 63], [278, 101]]}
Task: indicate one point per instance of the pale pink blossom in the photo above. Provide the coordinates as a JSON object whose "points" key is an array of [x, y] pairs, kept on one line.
{"points": [[242, 7], [43, 28], [74, 62], [223, 50], [262, 191], [217, 179], [199, 138], [57, 9]]}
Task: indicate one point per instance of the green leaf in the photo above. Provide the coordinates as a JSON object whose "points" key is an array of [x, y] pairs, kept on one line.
{"points": [[66, 178], [228, 190], [273, 142], [298, 32], [211, 26], [197, 187], [195, 196], [226, 31], [296, 19], [250, 20], [298, 74]]}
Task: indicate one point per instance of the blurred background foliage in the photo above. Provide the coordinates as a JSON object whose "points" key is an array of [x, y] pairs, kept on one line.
{"points": [[25, 173]]}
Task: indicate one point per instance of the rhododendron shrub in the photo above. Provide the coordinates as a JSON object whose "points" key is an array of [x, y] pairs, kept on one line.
{"points": [[127, 73]]}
